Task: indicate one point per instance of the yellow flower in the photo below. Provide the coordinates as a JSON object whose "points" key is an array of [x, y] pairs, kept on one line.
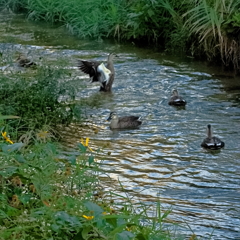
{"points": [[88, 217], [4, 134], [15, 201], [193, 237], [112, 210], [43, 135], [86, 144]]}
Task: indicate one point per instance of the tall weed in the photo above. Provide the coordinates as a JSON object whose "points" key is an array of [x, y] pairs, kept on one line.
{"points": [[212, 23]]}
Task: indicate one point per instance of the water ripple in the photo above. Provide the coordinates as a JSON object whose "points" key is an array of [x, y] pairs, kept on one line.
{"points": [[164, 156]]}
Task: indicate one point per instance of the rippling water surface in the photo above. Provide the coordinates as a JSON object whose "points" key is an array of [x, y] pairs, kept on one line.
{"points": [[163, 158]]}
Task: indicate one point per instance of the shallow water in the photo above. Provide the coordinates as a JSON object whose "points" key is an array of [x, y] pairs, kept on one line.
{"points": [[163, 158]]}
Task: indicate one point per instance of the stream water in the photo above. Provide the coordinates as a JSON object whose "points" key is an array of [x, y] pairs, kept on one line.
{"points": [[163, 158]]}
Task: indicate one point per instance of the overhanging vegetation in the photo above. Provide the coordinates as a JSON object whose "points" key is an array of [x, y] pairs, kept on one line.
{"points": [[208, 29]]}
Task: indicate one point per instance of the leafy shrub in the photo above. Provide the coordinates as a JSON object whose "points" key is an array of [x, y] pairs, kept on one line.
{"points": [[47, 197], [37, 99], [41, 195]]}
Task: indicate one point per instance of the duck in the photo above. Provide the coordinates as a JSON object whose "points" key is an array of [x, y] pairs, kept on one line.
{"points": [[23, 61], [210, 142], [99, 73], [176, 100], [123, 122]]}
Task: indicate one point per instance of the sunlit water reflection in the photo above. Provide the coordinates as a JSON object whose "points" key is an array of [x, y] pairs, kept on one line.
{"points": [[163, 158]]}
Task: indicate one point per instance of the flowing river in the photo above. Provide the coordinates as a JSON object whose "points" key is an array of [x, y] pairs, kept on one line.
{"points": [[163, 158]]}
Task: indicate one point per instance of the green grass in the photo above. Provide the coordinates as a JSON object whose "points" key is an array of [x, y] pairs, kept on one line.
{"points": [[215, 31]]}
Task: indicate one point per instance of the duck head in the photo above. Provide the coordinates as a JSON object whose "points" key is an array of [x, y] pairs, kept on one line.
{"points": [[209, 131], [112, 116], [175, 92], [111, 57]]}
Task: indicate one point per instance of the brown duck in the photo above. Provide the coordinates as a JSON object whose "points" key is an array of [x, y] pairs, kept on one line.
{"points": [[123, 122], [176, 100], [23, 61]]}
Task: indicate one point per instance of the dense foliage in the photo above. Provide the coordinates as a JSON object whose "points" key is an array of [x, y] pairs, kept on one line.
{"points": [[39, 96], [44, 197], [204, 29]]}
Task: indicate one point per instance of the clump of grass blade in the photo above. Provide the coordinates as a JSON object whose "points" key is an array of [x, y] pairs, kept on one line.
{"points": [[210, 21]]}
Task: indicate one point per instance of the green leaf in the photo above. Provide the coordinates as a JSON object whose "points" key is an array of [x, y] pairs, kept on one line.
{"points": [[117, 230], [6, 234], [9, 171], [63, 219], [3, 215], [93, 207], [39, 213], [112, 221], [125, 235], [140, 236], [150, 12], [25, 198], [55, 227], [166, 213], [20, 158], [72, 160], [8, 117], [121, 221], [12, 147], [90, 159], [79, 236], [82, 148], [86, 231], [11, 212]]}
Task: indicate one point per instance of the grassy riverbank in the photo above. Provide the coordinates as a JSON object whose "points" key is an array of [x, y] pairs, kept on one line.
{"points": [[44, 197], [207, 29]]}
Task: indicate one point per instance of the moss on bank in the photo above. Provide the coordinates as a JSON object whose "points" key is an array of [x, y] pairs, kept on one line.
{"points": [[207, 29]]}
